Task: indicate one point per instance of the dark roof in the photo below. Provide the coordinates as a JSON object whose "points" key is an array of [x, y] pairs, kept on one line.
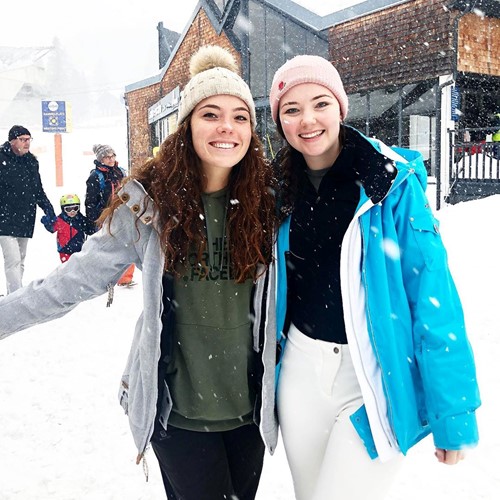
{"points": [[488, 7], [289, 9], [167, 40], [320, 23]]}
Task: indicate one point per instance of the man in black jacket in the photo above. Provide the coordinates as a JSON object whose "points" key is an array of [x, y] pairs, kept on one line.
{"points": [[21, 191]]}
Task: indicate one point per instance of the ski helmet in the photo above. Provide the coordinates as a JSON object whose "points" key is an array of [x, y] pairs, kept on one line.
{"points": [[69, 199]]}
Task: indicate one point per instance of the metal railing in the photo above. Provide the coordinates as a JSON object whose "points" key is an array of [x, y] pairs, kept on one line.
{"points": [[473, 160]]}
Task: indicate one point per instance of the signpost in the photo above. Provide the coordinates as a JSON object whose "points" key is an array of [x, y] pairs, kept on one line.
{"points": [[56, 118]]}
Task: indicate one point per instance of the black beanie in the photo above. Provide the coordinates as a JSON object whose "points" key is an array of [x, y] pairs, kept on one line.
{"points": [[18, 130]]}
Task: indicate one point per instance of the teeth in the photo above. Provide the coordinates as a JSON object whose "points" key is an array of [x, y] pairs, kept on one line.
{"points": [[311, 135], [223, 145]]}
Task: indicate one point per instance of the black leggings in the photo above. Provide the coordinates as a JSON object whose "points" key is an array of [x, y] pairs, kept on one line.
{"points": [[209, 465]]}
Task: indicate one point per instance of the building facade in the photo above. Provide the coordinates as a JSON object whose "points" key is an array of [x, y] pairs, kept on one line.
{"points": [[423, 74]]}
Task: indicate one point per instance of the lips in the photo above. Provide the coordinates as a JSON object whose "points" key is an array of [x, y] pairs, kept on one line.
{"points": [[311, 135], [223, 145]]}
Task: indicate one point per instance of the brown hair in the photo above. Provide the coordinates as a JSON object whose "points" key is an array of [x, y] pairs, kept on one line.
{"points": [[174, 180], [287, 166]]}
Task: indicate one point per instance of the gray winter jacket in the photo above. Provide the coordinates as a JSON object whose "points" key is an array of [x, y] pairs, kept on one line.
{"points": [[132, 238]]}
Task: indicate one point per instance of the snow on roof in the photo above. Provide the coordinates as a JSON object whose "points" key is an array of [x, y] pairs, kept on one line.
{"points": [[18, 57]]}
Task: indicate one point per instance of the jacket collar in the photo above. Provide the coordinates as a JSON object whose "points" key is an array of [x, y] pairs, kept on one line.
{"points": [[376, 170], [6, 148]]}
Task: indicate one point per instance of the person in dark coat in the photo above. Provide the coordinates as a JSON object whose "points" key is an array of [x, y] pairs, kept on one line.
{"points": [[21, 191], [104, 180]]}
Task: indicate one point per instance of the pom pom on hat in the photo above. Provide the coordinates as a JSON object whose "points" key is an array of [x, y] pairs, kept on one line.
{"points": [[307, 69], [211, 56], [102, 150], [18, 130], [213, 72]]}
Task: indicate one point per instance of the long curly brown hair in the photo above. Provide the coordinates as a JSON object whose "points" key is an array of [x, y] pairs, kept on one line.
{"points": [[174, 180]]}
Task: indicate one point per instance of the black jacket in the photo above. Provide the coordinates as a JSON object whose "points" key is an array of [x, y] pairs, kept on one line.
{"points": [[319, 222], [21, 191], [102, 183]]}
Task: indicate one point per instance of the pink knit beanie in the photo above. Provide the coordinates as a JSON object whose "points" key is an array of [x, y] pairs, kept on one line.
{"points": [[307, 69]]}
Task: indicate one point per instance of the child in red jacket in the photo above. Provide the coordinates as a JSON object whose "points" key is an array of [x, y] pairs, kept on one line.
{"points": [[71, 226]]}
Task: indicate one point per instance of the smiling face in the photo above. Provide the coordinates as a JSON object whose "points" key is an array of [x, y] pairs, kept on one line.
{"points": [[221, 131], [310, 118]]}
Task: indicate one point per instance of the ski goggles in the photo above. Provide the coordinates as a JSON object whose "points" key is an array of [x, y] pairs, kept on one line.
{"points": [[71, 208]]}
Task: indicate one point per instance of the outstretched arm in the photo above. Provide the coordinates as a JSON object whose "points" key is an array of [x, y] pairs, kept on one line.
{"points": [[102, 261]]}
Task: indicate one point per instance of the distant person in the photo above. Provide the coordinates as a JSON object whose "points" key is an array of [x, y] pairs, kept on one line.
{"points": [[71, 226], [21, 191], [103, 182], [495, 137]]}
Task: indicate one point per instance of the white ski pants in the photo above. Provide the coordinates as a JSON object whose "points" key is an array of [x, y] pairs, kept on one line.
{"points": [[317, 393], [14, 253]]}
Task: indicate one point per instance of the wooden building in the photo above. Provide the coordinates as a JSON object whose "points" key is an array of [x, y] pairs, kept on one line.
{"points": [[423, 74]]}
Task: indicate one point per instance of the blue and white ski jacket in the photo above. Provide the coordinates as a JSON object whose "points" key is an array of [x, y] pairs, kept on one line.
{"points": [[403, 316]]}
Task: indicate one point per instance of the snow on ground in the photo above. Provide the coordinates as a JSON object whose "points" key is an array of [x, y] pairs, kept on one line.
{"points": [[63, 435]]}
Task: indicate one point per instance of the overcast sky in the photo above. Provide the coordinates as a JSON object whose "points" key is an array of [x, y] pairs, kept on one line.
{"points": [[119, 33]]}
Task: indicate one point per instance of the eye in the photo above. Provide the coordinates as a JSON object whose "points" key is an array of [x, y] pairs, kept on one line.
{"points": [[290, 111], [241, 118], [209, 114], [322, 104]]}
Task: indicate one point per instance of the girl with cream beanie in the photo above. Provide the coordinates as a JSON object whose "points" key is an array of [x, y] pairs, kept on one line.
{"points": [[198, 221]]}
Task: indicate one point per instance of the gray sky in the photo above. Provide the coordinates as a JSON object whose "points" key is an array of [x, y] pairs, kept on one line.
{"points": [[103, 34]]}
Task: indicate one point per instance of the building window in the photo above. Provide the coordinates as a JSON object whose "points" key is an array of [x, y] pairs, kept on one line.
{"points": [[383, 115], [275, 37], [162, 128], [419, 121], [403, 116], [267, 131], [358, 113], [257, 45], [270, 29]]}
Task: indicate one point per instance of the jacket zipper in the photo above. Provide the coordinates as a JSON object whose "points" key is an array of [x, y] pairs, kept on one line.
{"points": [[382, 377], [390, 412]]}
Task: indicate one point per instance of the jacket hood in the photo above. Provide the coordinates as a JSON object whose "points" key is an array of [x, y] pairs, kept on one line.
{"points": [[6, 149]]}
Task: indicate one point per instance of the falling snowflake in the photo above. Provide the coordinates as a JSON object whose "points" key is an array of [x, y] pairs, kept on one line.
{"points": [[434, 302], [391, 249]]}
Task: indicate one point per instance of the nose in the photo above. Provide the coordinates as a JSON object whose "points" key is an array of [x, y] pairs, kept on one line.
{"points": [[308, 116], [225, 126]]}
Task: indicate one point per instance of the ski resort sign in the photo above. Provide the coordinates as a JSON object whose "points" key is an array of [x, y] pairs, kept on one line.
{"points": [[56, 116]]}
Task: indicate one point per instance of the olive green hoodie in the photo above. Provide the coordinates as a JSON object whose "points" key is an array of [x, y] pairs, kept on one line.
{"points": [[210, 372]]}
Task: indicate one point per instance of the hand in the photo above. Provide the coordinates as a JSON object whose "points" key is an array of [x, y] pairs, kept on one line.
{"points": [[48, 222], [449, 457]]}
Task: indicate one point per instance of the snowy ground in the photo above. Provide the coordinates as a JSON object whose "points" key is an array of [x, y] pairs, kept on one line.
{"points": [[63, 435]]}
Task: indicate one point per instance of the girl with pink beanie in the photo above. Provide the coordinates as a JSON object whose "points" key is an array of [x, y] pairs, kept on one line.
{"points": [[373, 351]]}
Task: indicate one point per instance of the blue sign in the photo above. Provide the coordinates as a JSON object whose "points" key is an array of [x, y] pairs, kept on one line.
{"points": [[54, 116], [456, 99]]}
